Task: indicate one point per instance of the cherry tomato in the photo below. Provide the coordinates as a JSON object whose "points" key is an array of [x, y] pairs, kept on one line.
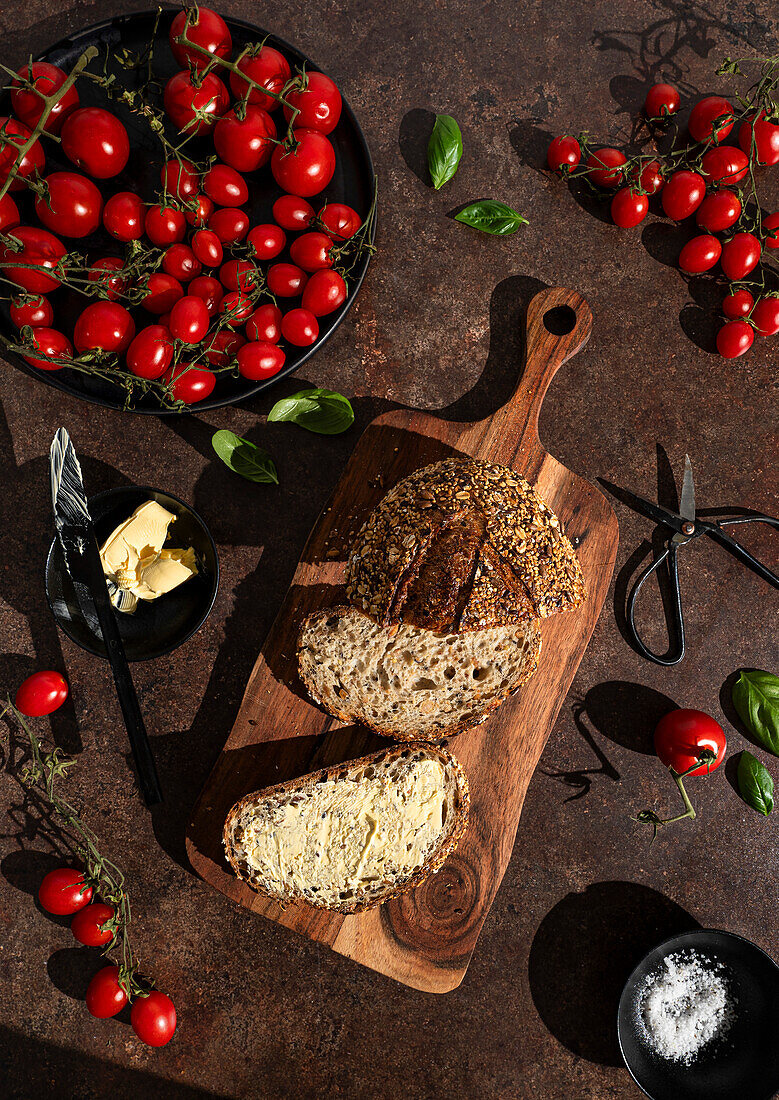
{"points": [[40, 248], [224, 186], [202, 27], [705, 114], [181, 262], [154, 1017], [96, 141], [207, 247], [292, 212], [683, 194], [737, 304], [28, 107], [9, 213], [189, 319], [740, 255], [628, 208], [300, 327], [15, 136], [766, 139], [661, 101], [308, 168], [210, 290], [222, 347], [237, 307], [563, 152], [239, 275], [771, 225], [324, 292], [99, 273], [35, 312], [700, 254], [230, 225], [606, 165], [179, 178], [105, 325], [191, 383], [72, 206], [312, 251], [124, 216], [719, 211], [734, 338], [201, 210], [64, 891], [164, 225], [40, 694], [724, 164], [266, 67], [162, 293], [765, 316], [105, 997], [340, 220], [151, 352], [318, 101], [259, 360], [245, 143], [87, 925], [266, 241], [650, 177], [265, 324], [52, 344], [194, 109], [681, 735], [286, 280]]}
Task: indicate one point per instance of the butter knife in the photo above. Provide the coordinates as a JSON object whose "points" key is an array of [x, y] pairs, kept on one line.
{"points": [[82, 558]]}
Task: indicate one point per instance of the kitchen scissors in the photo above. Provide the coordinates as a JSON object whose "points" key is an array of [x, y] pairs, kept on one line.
{"points": [[686, 527]]}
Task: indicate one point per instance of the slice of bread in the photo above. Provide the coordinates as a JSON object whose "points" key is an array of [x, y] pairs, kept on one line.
{"points": [[409, 683], [351, 837]]}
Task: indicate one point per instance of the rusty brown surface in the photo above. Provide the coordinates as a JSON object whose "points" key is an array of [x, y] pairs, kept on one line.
{"points": [[264, 1013]]}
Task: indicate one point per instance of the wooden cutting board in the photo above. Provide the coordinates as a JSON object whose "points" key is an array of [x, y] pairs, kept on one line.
{"points": [[424, 939]]}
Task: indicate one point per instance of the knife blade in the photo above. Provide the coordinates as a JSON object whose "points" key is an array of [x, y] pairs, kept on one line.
{"points": [[82, 558]]}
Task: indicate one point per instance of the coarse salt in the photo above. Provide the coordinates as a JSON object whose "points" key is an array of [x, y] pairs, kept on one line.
{"points": [[684, 1005]]}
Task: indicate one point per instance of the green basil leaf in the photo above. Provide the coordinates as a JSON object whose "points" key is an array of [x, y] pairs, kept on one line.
{"points": [[444, 150], [320, 411], [755, 784], [491, 216], [756, 698], [245, 458]]}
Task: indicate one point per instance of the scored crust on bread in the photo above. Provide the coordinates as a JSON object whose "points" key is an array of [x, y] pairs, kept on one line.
{"points": [[351, 837], [407, 682], [463, 545]]}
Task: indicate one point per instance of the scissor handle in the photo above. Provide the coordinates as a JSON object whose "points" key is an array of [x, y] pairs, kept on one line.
{"points": [[714, 530], [674, 656]]}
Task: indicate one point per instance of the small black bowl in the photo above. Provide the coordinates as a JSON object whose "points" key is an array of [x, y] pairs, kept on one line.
{"points": [[156, 627], [744, 1065]]}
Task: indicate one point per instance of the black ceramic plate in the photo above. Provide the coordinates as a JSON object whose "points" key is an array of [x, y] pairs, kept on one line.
{"points": [[353, 183], [157, 626], [745, 1064]]}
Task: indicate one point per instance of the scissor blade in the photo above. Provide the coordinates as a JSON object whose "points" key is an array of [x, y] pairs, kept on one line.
{"points": [[645, 507], [687, 500]]}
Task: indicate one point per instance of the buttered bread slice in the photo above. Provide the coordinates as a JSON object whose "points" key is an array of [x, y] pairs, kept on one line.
{"points": [[351, 837]]}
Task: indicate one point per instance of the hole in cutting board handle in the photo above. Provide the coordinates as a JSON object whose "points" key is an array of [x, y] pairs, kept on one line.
{"points": [[560, 320]]}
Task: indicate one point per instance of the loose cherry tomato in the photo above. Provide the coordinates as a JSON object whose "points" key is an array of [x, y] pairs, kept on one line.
{"points": [[340, 221], [766, 139], [737, 304], [64, 891], [162, 292], [237, 306], [210, 290], [245, 143], [35, 312], [52, 345], [700, 254], [201, 210], [324, 292], [191, 383], [300, 327], [164, 225], [264, 324], [39, 247], [40, 694], [734, 338], [765, 316], [105, 325], [704, 115], [189, 319], [312, 251], [207, 247], [9, 213], [740, 255], [266, 241], [719, 211], [15, 136], [28, 107], [308, 168], [628, 208], [606, 167], [770, 226], [239, 275], [87, 925], [72, 205], [681, 736], [202, 27], [194, 108], [222, 347], [683, 194], [154, 1017], [181, 262], [151, 352], [96, 141], [179, 178], [105, 997], [661, 101], [259, 360], [292, 212], [99, 273], [563, 152], [224, 186], [318, 101], [286, 280], [266, 67], [724, 164], [124, 216], [230, 225], [649, 177]]}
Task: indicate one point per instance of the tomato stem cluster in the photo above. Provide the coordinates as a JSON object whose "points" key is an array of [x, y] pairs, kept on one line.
{"points": [[650, 817]]}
